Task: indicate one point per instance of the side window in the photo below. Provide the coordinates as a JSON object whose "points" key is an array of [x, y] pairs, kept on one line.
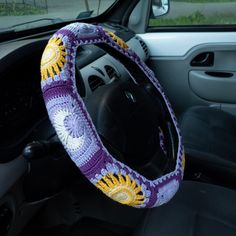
{"points": [[197, 13]]}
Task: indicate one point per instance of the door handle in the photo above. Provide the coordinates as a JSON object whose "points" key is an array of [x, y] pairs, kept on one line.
{"points": [[219, 74], [203, 59]]}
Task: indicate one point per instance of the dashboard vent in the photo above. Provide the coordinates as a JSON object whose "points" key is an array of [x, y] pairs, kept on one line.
{"points": [[144, 46], [110, 71], [95, 82]]}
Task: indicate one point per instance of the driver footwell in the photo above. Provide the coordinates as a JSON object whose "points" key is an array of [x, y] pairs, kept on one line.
{"points": [[85, 227]]}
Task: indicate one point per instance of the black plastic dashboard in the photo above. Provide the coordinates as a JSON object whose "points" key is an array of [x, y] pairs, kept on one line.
{"points": [[23, 117]]}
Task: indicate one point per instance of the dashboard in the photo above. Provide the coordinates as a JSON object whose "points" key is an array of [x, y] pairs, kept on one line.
{"points": [[23, 120], [23, 116], [22, 109]]}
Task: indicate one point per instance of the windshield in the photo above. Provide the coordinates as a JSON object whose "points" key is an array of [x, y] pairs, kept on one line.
{"points": [[25, 14]]}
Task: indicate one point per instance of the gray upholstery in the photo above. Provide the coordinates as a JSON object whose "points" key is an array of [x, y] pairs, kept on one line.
{"points": [[197, 210], [209, 137]]}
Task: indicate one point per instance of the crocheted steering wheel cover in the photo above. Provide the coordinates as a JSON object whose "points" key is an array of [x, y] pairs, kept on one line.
{"points": [[75, 128]]}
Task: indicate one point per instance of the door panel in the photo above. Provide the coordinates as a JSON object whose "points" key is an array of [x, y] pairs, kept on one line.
{"points": [[214, 86], [188, 84], [179, 44]]}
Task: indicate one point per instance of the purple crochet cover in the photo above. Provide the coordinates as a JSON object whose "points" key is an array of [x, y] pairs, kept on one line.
{"points": [[76, 131]]}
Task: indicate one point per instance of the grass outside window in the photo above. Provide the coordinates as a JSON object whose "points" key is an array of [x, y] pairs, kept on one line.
{"points": [[207, 13]]}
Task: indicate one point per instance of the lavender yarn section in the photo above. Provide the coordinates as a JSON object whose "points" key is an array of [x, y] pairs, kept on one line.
{"points": [[77, 133]]}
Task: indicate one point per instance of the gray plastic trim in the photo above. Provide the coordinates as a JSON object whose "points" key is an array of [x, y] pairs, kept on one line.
{"points": [[173, 73], [100, 63], [213, 88], [10, 173], [230, 108], [139, 18]]}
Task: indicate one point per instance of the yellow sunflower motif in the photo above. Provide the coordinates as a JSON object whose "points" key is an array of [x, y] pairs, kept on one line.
{"points": [[117, 40], [53, 58], [121, 189]]}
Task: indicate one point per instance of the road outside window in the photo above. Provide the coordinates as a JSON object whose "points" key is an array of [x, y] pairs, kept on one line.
{"points": [[24, 14]]}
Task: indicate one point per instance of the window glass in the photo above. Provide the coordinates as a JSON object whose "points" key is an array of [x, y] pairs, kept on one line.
{"points": [[198, 13], [24, 14]]}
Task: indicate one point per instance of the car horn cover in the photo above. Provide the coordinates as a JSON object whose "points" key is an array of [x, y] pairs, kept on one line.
{"points": [[76, 130]]}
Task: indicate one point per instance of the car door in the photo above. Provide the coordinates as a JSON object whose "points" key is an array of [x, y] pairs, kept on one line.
{"points": [[192, 50]]}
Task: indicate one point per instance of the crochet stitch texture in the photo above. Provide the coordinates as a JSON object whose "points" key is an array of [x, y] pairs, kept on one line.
{"points": [[75, 128]]}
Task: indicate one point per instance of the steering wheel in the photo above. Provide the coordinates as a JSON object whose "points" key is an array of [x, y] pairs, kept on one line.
{"points": [[96, 155]]}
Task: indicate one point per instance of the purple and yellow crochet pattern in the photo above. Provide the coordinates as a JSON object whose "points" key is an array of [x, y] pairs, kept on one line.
{"points": [[75, 128]]}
